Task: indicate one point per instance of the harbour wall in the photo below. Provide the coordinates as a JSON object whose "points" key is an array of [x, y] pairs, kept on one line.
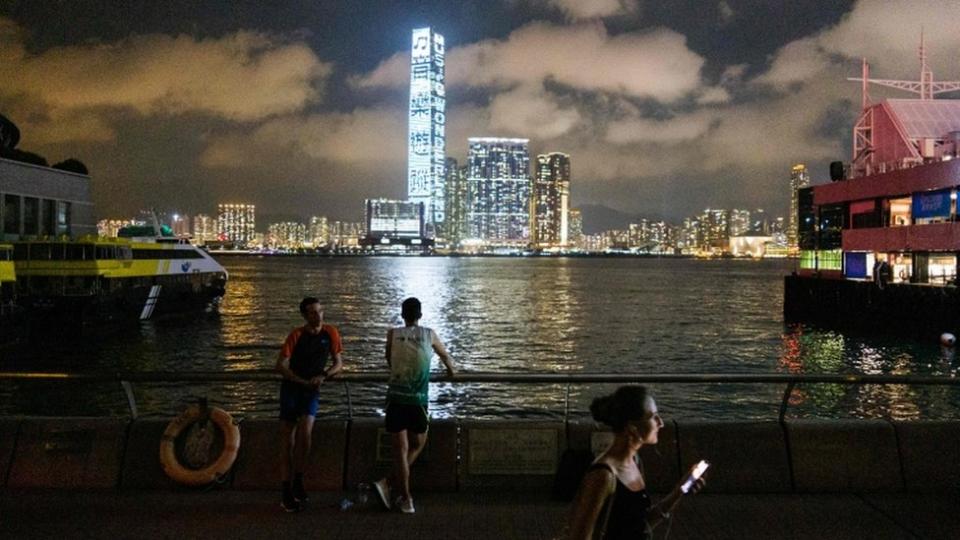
{"points": [[918, 310], [795, 456]]}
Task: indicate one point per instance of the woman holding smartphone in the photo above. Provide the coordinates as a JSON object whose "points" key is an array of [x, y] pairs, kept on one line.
{"points": [[613, 502]]}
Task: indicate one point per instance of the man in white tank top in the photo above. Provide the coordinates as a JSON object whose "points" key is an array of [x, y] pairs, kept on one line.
{"points": [[409, 351]]}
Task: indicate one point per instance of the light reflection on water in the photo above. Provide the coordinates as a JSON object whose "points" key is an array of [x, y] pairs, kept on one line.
{"points": [[511, 315]]}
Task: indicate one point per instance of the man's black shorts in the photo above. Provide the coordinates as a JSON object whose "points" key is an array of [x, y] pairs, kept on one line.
{"points": [[401, 416]]}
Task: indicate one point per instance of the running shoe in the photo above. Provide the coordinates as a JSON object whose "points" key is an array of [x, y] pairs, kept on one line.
{"points": [[383, 490], [406, 506], [299, 492], [288, 503]]}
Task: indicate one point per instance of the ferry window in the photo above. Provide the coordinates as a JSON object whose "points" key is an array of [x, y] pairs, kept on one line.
{"points": [[5, 254], [48, 223], [900, 212], [831, 226], [79, 252], [40, 252], [11, 214], [31, 215], [20, 252], [57, 252], [63, 217]]}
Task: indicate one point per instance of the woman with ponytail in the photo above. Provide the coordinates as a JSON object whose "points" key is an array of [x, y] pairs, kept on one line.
{"points": [[613, 502]]}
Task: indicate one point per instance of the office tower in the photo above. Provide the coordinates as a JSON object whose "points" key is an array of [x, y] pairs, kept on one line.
{"points": [[204, 229], [498, 190], [576, 228], [318, 232], [236, 222], [550, 208], [427, 143], [455, 226], [799, 178]]}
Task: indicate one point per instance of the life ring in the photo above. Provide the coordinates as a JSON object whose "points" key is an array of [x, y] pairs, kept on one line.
{"points": [[903, 275], [202, 476]]}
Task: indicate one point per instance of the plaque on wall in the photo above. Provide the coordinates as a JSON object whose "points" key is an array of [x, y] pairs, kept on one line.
{"points": [[513, 451]]}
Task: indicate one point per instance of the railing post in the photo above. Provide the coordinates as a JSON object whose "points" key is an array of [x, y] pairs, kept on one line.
{"points": [[131, 399], [346, 389], [566, 405], [786, 400]]}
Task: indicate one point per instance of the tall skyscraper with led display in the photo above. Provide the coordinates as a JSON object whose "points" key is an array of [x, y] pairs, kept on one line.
{"points": [[427, 127], [498, 190], [550, 208], [799, 178]]}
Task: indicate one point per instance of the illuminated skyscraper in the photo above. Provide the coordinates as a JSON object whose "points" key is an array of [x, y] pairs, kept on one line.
{"points": [[799, 178], [427, 126], [550, 212], [455, 226], [318, 232], [498, 190], [236, 222], [204, 229], [576, 228]]}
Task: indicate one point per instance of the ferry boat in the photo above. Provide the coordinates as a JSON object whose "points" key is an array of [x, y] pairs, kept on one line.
{"points": [[96, 280], [879, 243]]}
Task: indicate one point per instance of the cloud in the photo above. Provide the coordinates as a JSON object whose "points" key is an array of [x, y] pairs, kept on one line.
{"points": [[244, 76], [675, 130], [531, 111], [655, 64], [592, 9], [362, 137], [726, 13]]}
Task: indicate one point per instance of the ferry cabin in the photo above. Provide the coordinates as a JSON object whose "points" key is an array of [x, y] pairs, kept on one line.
{"points": [[8, 280], [115, 278]]}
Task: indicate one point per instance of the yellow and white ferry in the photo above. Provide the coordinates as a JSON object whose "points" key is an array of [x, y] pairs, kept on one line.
{"points": [[95, 280]]}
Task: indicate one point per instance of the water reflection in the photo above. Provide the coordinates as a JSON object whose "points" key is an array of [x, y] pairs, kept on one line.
{"points": [[506, 315]]}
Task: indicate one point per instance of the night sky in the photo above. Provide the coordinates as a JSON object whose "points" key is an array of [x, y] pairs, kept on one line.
{"points": [[665, 107]]}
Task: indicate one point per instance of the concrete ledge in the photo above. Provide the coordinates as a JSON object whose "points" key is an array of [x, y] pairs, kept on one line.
{"points": [[370, 455], [844, 456], [76, 453], [930, 454], [518, 454], [8, 440], [659, 462], [745, 457], [141, 461], [258, 462]]}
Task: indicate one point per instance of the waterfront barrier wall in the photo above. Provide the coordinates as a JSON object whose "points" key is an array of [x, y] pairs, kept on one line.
{"points": [[803, 456], [920, 310]]}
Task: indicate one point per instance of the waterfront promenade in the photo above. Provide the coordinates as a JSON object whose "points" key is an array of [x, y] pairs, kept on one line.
{"points": [[483, 515]]}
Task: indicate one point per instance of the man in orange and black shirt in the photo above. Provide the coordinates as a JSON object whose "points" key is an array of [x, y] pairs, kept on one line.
{"points": [[303, 363]]}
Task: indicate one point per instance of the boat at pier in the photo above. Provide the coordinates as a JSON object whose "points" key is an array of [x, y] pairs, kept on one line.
{"points": [[91, 281], [879, 243]]}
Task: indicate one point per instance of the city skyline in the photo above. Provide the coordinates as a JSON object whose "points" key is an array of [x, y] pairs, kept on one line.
{"points": [[303, 109]]}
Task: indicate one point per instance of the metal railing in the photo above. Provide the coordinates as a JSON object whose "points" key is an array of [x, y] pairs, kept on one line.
{"points": [[126, 380]]}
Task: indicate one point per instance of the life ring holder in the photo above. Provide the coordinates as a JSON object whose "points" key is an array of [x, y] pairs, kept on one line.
{"points": [[216, 470]]}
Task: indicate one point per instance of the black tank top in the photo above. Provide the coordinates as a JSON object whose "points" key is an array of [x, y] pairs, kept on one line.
{"points": [[628, 516]]}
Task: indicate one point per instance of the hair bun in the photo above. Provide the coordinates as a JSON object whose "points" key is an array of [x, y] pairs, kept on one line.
{"points": [[600, 408]]}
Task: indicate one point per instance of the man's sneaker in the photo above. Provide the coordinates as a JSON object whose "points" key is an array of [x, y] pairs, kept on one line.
{"points": [[299, 493], [383, 490], [288, 503], [406, 506]]}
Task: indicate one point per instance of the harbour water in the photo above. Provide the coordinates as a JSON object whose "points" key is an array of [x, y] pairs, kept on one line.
{"points": [[507, 315]]}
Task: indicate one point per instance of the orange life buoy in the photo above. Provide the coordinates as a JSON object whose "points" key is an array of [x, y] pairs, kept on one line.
{"points": [[210, 473]]}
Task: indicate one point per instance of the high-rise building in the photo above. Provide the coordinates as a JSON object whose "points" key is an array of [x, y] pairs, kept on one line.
{"points": [[455, 226], [576, 228], [715, 230], [498, 190], [550, 205], [204, 229], [427, 126], [739, 222], [236, 223], [799, 178], [318, 232], [286, 235], [180, 223]]}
